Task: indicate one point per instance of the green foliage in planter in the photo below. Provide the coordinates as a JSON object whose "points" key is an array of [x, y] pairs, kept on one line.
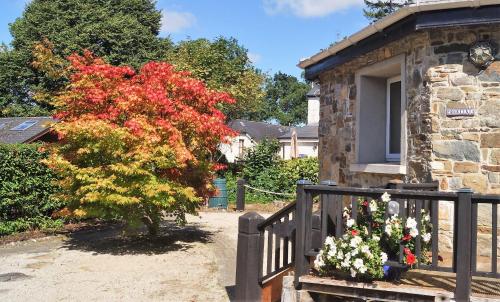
{"points": [[26, 188]]}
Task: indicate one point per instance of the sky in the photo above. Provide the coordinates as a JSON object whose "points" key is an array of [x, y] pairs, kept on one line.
{"points": [[277, 33]]}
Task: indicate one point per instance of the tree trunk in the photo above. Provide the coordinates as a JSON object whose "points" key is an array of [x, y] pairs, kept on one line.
{"points": [[152, 224]]}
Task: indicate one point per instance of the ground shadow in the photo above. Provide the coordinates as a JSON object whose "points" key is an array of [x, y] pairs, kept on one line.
{"points": [[109, 240]]}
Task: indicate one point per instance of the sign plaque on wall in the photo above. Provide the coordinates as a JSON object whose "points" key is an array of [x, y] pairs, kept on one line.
{"points": [[451, 112]]}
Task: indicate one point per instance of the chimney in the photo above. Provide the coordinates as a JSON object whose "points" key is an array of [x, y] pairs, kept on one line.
{"points": [[313, 105]]}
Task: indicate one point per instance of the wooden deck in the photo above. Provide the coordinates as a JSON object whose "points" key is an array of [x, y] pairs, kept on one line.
{"points": [[416, 286]]}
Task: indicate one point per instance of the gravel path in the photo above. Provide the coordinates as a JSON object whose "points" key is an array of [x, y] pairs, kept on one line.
{"points": [[191, 263]]}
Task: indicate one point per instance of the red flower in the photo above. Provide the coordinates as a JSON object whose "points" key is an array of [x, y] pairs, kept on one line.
{"points": [[407, 251], [407, 237], [410, 259], [365, 203], [354, 232]]}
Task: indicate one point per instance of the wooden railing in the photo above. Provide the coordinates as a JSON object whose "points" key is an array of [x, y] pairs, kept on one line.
{"points": [[294, 235], [277, 242]]}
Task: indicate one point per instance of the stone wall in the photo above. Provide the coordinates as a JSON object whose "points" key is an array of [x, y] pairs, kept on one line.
{"points": [[466, 150], [459, 151], [456, 151]]}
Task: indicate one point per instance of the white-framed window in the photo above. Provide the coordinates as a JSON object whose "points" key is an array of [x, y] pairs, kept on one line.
{"points": [[393, 120]]}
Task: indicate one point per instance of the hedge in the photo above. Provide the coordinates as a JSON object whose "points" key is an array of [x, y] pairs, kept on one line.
{"points": [[26, 189]]}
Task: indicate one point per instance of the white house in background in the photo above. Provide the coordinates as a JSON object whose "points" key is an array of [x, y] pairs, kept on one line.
{"points": [[307, 136], [251, 133], [307, 142]]}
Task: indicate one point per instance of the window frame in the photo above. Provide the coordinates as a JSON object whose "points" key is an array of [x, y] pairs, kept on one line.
{"points": [[391, 157]]}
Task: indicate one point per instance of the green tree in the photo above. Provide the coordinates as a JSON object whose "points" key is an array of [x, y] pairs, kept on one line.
{"points": [[223, 64], [286, 99], [120, 31], [376, 10]]}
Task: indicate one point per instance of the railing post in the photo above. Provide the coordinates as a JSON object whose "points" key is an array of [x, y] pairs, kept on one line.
{"points": [[329, 211], [247, 258], [240, 195], [301, 259], [463, 245]]}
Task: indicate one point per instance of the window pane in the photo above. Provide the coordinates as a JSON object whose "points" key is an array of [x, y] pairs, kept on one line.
{"points": [[395, 119]]}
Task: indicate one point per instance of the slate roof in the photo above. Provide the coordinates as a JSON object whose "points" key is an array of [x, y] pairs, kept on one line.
{"points": [[258, 130], [28, 135], [306, 132], [314, 92]]}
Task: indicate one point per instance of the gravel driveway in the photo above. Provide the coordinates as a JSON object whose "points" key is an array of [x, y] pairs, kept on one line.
{"points": [[191, 263]]}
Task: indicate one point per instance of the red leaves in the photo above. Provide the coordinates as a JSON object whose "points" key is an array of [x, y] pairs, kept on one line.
{"points": [[158, 106]]}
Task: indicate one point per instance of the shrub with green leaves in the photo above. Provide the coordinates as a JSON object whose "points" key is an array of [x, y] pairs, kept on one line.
{"points": [[264, 169], [26, 189]]}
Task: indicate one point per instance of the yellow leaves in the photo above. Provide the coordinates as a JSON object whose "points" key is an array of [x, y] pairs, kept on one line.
{"points": [[79, 213]]}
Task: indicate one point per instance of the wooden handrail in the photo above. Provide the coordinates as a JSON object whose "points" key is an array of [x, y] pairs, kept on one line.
{"points": [[277, 216]]}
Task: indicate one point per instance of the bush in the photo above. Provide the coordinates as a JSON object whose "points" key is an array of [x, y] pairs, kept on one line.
{"points": [[26, 189], [259, 158], [264, 169]]}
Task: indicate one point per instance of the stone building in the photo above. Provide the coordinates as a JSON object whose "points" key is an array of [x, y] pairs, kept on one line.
{"points": [[414, 97]]}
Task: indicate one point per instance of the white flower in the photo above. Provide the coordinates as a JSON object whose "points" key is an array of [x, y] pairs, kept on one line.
{"points": [[427, 237], [373, 206], [356, 241], [350, 222], [347, 262], [388, 230], [340, 255], [365, 249], [329, 241], [384, 257], [411, 223], [386, 197], [427, 218], [319, 263], [414, 232], [333, 251], [354, 252], [363, 269], [353, 273], [358, 263], [376, 238]]}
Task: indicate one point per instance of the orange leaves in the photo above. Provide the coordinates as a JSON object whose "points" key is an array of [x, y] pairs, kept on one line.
{"points": [[135, 144]]}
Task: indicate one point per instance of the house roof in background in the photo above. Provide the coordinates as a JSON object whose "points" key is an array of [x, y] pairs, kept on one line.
{"points": [[314, 92], [34, 128], [420, 6], [258, 130], [306, 132]]}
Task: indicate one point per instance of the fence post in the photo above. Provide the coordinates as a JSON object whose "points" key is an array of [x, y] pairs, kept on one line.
{"points": [[240, 195], [301, 260], [247, 258], [463, 245], [329, 211]]}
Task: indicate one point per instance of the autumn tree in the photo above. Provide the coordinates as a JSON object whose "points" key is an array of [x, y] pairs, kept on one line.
{"points": [[377, 9], [136, 145], [121, 32], [223, 64]]}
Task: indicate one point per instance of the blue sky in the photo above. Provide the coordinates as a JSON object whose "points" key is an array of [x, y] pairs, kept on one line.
{"points": [[277, 33]]}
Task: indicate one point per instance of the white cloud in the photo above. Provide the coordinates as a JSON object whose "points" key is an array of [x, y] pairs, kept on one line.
{"points": [[173, 22], [254, 57], [309, 8]]}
